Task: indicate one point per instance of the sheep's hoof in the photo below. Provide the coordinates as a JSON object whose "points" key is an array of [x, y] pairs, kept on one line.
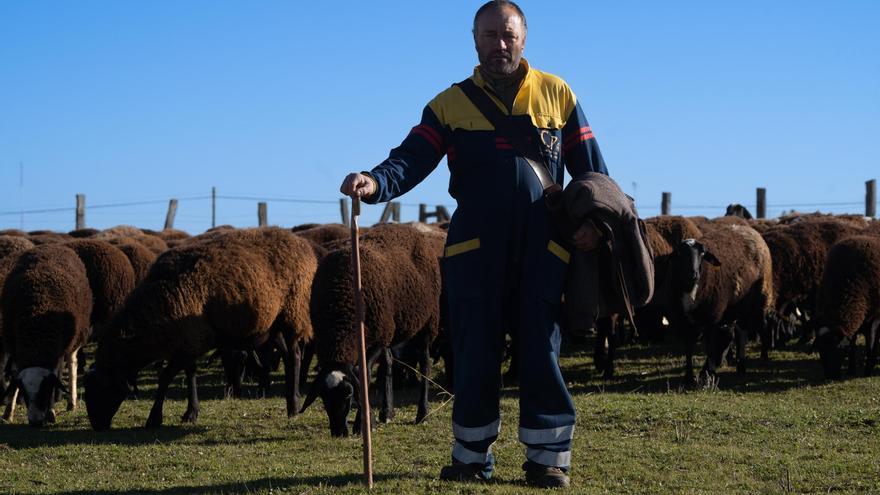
{"points": [[420, 417], [190, 416], [385, 417], [153, 422]]}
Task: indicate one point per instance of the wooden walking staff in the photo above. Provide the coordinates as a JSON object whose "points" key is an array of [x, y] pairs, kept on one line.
{"points": [[358, 326]]}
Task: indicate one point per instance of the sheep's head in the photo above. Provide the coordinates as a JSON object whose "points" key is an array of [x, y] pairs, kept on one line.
{"points": [[38, 386], [104, 393], [336, 391], [830, 346], [684, 268]]}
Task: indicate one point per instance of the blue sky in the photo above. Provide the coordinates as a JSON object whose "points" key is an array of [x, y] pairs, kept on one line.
{"points": [[140, 102]]}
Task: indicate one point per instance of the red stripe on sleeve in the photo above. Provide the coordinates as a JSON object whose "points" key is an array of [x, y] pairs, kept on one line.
{"points": [[573, 138], [571, 143], [430, 135]]}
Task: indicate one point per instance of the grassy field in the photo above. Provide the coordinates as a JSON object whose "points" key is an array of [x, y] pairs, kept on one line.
{"points": [[781, 429]]}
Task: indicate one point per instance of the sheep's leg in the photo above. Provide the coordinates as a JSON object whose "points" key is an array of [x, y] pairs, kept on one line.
{"points": [[851, 365], [72, 369], [600, 354], [233, 368], [192, 403], [872, 342], [742, 338], [292, 356], [425, 370], [386, 375], [371, 359], [171, 369], [9, 413], [308, 352], [689, 338]]}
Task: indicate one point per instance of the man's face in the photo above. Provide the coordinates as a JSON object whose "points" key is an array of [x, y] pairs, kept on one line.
{"points": [[500, 39]]}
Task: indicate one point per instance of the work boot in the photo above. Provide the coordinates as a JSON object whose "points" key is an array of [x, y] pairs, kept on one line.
{"points": [[459, 471], [541, 476]]}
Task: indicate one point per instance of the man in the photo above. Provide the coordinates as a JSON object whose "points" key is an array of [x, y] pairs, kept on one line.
{"points": [[504, 263]]}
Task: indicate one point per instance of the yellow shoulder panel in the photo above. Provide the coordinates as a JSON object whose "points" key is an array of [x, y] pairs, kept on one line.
{"points": [[455, 110]]}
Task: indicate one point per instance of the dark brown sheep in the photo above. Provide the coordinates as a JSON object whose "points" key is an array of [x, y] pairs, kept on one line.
{"points": [[83, 233], [40, 237], [111, 278], [13, 244], [325, 234], [401, 287], [152, 242], [799, 251], [849, 300], [139, 256], [46, 305], [735, 292], [234, 290]]}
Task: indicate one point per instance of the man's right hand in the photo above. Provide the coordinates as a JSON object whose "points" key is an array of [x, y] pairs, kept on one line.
{"points": [[358, 186]]}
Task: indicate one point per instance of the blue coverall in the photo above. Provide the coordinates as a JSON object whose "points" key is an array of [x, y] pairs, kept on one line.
{"points": [[504, 264]]}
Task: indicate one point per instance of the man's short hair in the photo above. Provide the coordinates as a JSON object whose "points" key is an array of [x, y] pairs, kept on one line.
{"points": [[497, 4]]}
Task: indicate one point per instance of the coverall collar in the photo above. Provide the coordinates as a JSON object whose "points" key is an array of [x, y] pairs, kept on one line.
{"points": [[482, 83]]}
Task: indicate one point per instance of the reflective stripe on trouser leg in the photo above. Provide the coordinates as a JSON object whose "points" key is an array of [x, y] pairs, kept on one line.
{"points": [[547, 413]]}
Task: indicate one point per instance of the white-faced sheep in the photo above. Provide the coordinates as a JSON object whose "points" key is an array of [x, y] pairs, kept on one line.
{"points": [[233, 290], [735, 291], [849, 300], [401, 288], [46, 305]]}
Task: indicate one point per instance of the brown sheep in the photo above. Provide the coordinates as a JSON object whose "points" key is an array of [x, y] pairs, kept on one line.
{"points": [[83, 233], [13, 244], [46, 304], [234, 290], [151, 242], [799, 251], [401, 288], [139, 256], [736, 291], [111, 278], [849, 300], [325, 234]]}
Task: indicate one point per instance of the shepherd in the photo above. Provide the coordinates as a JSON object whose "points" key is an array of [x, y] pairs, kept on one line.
{"points": [[505, 258]]}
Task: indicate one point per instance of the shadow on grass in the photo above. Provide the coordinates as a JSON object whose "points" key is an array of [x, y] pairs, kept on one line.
{"points": [[19, 436], [264, 484]]}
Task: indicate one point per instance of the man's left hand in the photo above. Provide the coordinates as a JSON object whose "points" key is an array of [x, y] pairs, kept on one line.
{"points": [[586, 237]]}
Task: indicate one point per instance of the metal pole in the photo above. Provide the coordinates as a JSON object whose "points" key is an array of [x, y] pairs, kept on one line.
{"points": [[362, 351]]}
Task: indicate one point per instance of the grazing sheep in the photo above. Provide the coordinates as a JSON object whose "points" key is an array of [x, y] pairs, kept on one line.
{"points": [[401, 288], [233, 290], [46, 304], [799, 251], [139, 256], [111, 279], [83, 233], [849, 300], [40, 237], [13, 244], [325, 234], [151, 242], [710, 300]]}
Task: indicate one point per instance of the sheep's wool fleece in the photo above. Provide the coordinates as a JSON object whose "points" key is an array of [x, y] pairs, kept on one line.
{"points": [[401, 286], [850, 290], [228, 288], [46, 305]]}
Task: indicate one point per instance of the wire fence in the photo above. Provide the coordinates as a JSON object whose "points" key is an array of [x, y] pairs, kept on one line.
{"points": [[200, 212]]}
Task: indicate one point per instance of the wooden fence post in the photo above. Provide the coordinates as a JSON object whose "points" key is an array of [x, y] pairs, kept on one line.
{"points": [[871, 198], [666, 203], [440, 213], [80, 211], [172, 211], [262, 214], [343, 208], [213, 207], [391, 212], [762, 203]]}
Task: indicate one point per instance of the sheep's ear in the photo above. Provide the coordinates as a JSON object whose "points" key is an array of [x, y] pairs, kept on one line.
{"points": [[317, 387], [710, 258]]}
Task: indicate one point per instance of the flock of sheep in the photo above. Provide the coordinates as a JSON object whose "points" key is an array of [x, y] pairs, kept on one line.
{"points": [[253, 295]]}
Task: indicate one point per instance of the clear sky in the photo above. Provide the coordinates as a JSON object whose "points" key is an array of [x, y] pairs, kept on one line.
{"points": [[140, 102]]}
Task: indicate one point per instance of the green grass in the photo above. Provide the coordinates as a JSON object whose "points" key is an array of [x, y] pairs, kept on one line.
{"points": [[781, 429]]}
